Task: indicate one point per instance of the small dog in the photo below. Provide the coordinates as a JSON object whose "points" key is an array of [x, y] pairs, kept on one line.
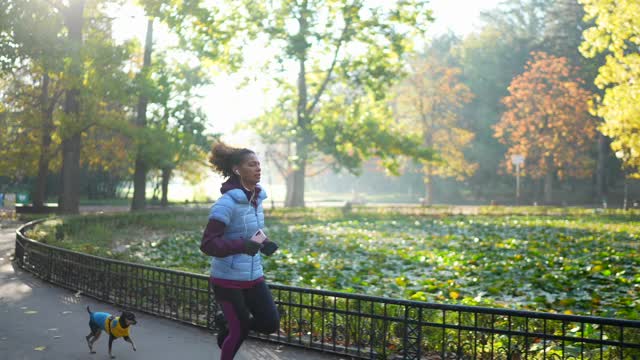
{"points": [[116, 327]]}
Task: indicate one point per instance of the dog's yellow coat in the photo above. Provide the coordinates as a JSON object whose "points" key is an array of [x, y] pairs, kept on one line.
{"points": [[117, 330]]}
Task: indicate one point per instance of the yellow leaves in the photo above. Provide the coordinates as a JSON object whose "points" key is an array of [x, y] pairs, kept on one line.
{"points": [[430, 97], [616, 28], [401, 281], [419, 296], [346, 148]]}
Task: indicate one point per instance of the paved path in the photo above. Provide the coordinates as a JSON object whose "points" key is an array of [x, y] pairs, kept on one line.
{"points": [[40, 321]]}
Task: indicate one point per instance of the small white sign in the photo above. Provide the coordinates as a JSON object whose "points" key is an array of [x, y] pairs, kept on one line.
{"points": [[517, 159], [9, 201]]}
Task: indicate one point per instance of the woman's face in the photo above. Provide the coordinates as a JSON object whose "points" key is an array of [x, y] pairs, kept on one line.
{"points": [[249, 169]]}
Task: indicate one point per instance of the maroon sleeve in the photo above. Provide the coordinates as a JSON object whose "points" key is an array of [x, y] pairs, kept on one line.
{"points": [[214, 244]]}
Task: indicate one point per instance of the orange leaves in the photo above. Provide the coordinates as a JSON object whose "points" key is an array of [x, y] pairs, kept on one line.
{"points": [[430, 100], [547, 116]]}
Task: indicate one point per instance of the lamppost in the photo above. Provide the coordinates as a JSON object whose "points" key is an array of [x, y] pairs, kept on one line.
{"points": [[623, 155], [517, 160]]}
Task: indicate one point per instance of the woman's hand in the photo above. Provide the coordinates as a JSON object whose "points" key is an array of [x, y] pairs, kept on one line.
{"points": [[251, 247], [268, 247]]}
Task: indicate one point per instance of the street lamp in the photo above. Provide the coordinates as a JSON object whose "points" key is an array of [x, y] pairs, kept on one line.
{"points": [[517, 160]]}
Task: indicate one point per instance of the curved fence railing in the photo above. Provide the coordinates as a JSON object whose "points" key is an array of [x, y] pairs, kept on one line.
{"points": [[358, 326]]}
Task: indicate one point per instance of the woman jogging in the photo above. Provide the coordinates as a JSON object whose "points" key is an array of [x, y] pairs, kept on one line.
{"points": [[234, 238]]}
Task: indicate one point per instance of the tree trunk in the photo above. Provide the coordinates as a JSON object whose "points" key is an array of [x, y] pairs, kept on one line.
{"points": [[288, 199], [428, 186], [70, 197], [139, 201], [71, 144], [295, 186], [296, 197], [548, 182], [601, 190], [141, 166], [40, 193], [166, 176]]}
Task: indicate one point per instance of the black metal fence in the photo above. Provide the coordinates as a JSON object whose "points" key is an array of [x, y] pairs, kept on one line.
{"points": [[351, 325]]}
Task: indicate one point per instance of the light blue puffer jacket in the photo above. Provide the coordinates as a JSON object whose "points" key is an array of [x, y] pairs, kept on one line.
{"points": [[242, 220]]}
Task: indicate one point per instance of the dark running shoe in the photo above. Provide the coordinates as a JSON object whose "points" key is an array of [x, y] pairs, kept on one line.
{"points": [[222, 335]]}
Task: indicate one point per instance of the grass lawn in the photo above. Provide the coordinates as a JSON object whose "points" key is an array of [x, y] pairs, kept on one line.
{"points": [[576, 261]]}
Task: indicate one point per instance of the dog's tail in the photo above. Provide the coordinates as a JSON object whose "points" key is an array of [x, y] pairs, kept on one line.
{"points": [[89, 310]]}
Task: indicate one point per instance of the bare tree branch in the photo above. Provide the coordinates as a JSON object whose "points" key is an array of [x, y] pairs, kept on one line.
{"points": [[284, 171], [321, 170]]}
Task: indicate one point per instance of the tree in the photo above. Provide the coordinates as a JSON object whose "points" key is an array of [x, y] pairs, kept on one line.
{"points": [[45, 94], [348, 131], [73, 15], [615, 34], [36, 61], [547, 121], [93, 79], [32, 97], [332, 44], [562, 37], [177, 120], [432, 96], [339, 47], [170, 130], [141, 166], [490, 59]]}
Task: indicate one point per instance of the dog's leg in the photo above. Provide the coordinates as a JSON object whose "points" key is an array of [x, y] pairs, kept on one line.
{"points": [[88, 338], [130, 341], [91, 339], [111, 338]]}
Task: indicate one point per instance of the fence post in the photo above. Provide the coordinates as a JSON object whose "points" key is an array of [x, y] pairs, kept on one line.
{"points": [[411, 336]]}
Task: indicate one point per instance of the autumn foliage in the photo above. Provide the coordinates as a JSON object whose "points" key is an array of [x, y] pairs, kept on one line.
{"points": [[615, 33], [430, 101], [547, 119]]}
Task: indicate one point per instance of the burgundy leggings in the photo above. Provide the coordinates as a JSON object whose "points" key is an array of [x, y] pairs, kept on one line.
{"points": [[246, 310]]}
